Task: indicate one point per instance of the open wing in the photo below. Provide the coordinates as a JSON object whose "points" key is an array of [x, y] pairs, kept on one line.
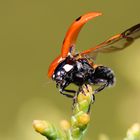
{"points": [[70, 40], [115, 43], [73, 31]]}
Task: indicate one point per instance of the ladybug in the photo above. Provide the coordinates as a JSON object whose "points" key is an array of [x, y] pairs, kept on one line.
{"points": [[80, 68]]}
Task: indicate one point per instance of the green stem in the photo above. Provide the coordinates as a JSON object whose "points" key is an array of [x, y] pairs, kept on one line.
{"points": [[81, 117], [76, 128]]}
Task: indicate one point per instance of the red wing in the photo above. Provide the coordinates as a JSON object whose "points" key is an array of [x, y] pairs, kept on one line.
{"points": [[115, 43], [70, 39], [73, 31]]}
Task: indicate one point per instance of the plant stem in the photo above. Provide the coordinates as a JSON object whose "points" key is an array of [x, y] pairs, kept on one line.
{"points": [[74, 129]]}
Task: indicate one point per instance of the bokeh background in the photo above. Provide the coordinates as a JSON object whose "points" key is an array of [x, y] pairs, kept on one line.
{"points": [[31, 34]]}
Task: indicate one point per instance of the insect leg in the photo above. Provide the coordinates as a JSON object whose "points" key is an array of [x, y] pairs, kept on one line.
{"points": [[102, 86], [68, 91], [64, 91], [86, 87]]}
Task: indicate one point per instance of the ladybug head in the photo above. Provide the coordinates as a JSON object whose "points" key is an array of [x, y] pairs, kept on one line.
{"points": [[63, 72]]}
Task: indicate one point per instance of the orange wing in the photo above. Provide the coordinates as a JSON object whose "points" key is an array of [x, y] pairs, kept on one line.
{"points": [[70, 39], [73, 31], [115, 43]]}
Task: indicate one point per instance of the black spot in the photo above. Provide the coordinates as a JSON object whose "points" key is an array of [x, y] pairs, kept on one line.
{"points": [[64, 41], [78, 18]]}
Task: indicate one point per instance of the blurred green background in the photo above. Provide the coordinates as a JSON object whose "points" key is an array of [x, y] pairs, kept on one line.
{"points": [[31, 34]]}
